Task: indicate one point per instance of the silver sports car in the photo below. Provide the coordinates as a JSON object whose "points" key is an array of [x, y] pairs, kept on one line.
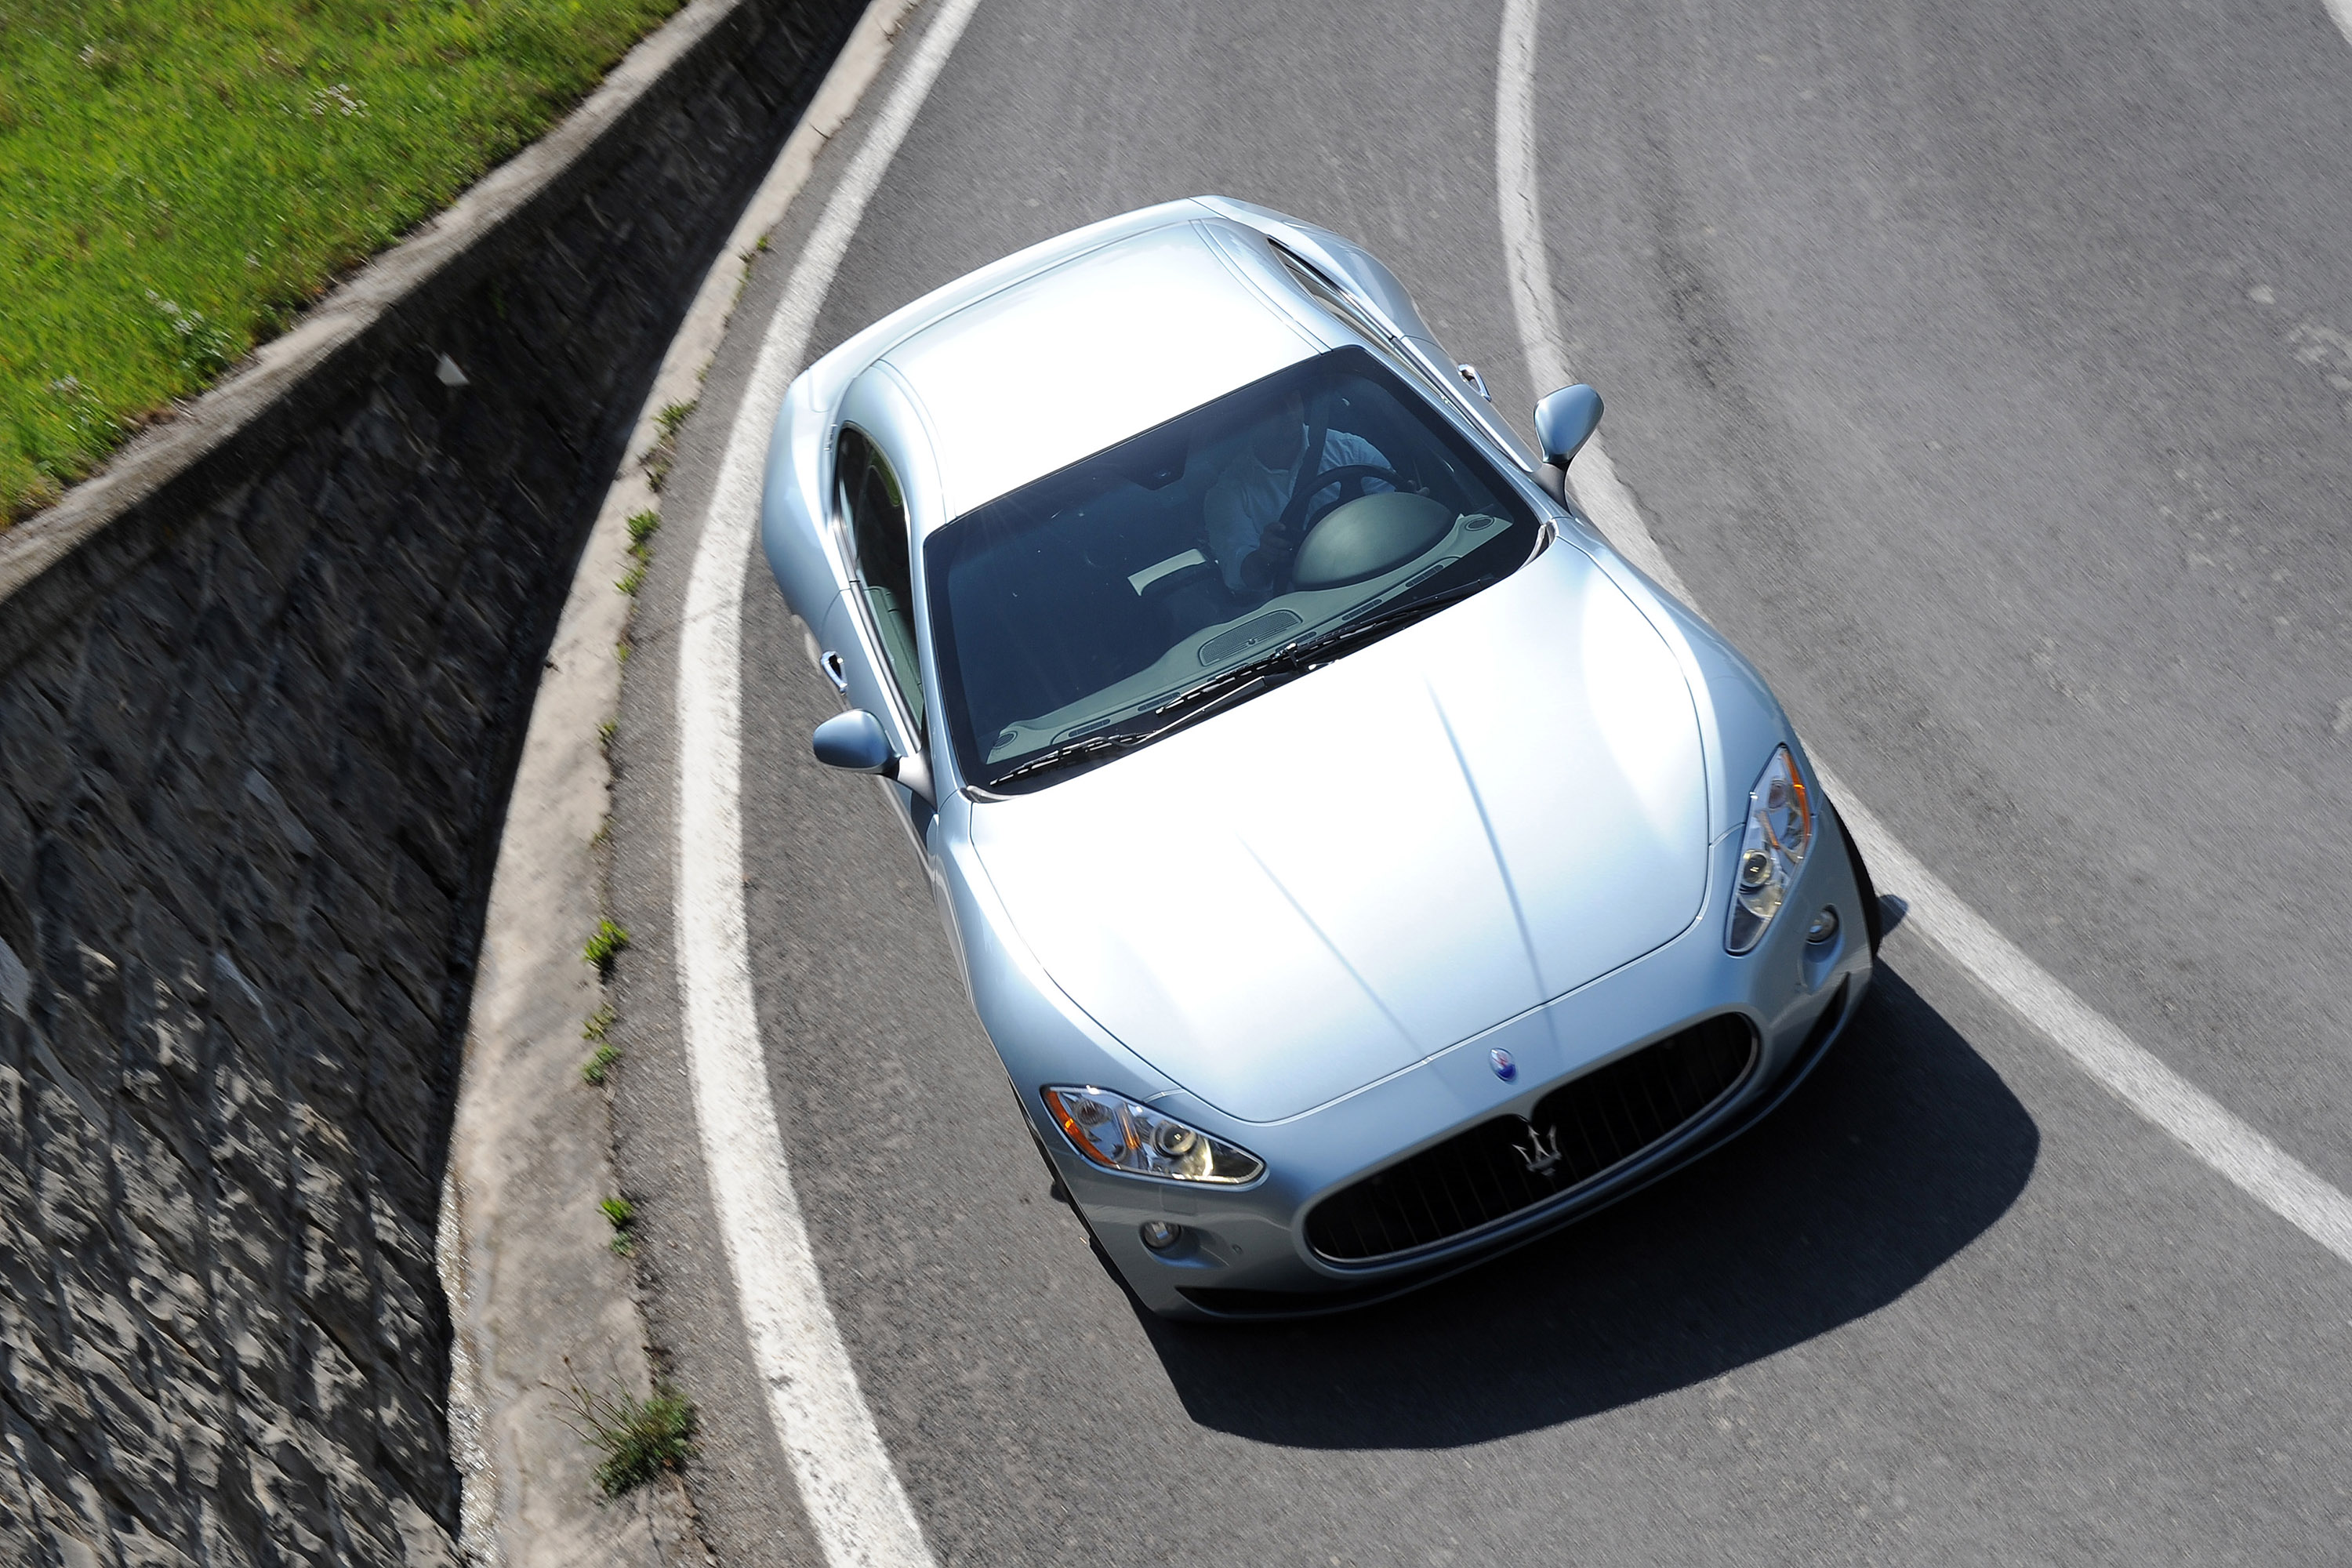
{"points": [[1358, 865]]}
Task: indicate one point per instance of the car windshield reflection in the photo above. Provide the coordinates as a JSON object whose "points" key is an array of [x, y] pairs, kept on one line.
{"points": [[1096, 608]]}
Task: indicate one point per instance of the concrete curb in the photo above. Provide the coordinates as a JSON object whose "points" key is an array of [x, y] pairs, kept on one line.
{"points": [[538, 1299]]}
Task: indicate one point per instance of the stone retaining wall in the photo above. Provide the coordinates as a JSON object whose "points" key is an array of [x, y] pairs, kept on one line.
{"points": [[261, 689]]}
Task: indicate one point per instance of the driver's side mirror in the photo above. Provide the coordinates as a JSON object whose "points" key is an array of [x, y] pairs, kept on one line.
{"points": [[1565, 421], [854, 742]]}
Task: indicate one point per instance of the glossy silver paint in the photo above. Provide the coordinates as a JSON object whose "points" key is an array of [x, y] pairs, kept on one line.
{"points": [[1353, 872], [1306, 925]]}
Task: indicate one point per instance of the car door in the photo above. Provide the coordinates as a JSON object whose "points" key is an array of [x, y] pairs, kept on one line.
{"points": [[867, 638]]}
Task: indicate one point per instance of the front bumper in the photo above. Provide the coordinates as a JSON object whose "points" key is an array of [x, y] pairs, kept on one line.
{"points": [[1244, 1252]]}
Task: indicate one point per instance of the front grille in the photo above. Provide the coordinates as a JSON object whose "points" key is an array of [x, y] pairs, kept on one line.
{"points": [[1584, 1129]]}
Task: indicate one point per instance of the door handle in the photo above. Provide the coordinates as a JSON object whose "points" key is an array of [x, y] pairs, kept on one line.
{"points": [[834, 671]]}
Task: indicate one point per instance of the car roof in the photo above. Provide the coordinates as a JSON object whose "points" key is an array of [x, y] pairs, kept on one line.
{"points": [[1082, 354]]}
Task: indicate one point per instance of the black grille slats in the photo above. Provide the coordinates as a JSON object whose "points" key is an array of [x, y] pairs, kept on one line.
{"points": [[1581, 1129]]}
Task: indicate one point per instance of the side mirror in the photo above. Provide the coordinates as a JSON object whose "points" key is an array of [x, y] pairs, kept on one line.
{"points": [[1565, 421], [853, 741]]}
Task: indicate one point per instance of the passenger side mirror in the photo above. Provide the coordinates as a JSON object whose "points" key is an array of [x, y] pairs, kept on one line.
{"points": [[855, 741], [1565, 421]]}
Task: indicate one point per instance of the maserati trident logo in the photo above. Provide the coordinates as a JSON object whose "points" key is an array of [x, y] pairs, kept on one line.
{"points": [[1504, 1067], [1537, 1153]]}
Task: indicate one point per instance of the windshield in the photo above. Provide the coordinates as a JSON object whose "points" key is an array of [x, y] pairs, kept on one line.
{"points": [[1096, 607]]}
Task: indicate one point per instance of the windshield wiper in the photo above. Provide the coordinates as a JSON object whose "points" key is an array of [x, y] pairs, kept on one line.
{"points": [[1070, 752], [1297, 658], [1192, 707], [1286, 663], [1306, 654]]}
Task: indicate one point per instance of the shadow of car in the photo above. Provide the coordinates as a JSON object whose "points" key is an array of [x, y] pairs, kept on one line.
{"points": [[1902, 1149]]}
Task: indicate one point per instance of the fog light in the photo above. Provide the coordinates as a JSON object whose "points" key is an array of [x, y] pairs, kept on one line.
{"points": [[1824, 926], [1159, 1234]]}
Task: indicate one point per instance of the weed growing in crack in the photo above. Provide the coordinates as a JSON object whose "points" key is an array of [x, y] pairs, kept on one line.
{"points": [[623, 1214], [606, 1056], [663, 454], [605, 940], [639, 1438], [642, 527]]}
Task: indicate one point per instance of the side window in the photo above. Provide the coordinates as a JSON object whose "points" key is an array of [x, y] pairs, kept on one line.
{"points": [[874, 511]]}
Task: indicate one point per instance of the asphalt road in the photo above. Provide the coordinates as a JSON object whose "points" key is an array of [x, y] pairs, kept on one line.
{"points": [[1987, 373]]}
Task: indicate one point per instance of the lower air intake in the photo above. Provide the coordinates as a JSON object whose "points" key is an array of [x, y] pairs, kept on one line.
{"points": [[1579, 1132]]}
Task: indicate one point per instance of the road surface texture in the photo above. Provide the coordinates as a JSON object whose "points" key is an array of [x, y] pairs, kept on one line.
{"points": [[1985, 373]]}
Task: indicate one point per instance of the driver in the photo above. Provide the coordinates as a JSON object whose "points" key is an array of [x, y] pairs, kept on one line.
{"points": [[1244, 508]]}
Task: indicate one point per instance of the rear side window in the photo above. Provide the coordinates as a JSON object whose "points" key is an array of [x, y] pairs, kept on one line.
{"points": [[875, 509]]}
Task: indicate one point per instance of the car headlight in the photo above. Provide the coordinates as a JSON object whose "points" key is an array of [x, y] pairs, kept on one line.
{"points": [[1779, 831], [1117, 1134]]}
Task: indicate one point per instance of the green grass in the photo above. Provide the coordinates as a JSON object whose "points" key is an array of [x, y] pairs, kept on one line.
{"points": [[639, 1438], [603, 942], [606, 1056], [620, 1211], [659, 457], [179, 178], [643, 525], [623, 1214]]}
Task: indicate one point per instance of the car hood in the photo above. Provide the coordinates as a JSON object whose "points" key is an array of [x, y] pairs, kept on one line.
{"points": [[1375, 862]]}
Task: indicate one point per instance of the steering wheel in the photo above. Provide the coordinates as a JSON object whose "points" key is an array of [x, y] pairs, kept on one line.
{"points": [[1293, 521]]}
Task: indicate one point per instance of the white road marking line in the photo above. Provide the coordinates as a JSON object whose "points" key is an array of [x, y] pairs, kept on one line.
{"points": [[2275, 1178], [2342, 11], [689, 357], [2259, 1167], [855, 1504]]}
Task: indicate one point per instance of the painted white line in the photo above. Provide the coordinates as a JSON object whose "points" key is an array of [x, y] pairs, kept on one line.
{"points": [[1528, 266], [2275, 1178], [679, 380], [499, 1240], [855, 1504], [2259, 1167], [2342, 11]]}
